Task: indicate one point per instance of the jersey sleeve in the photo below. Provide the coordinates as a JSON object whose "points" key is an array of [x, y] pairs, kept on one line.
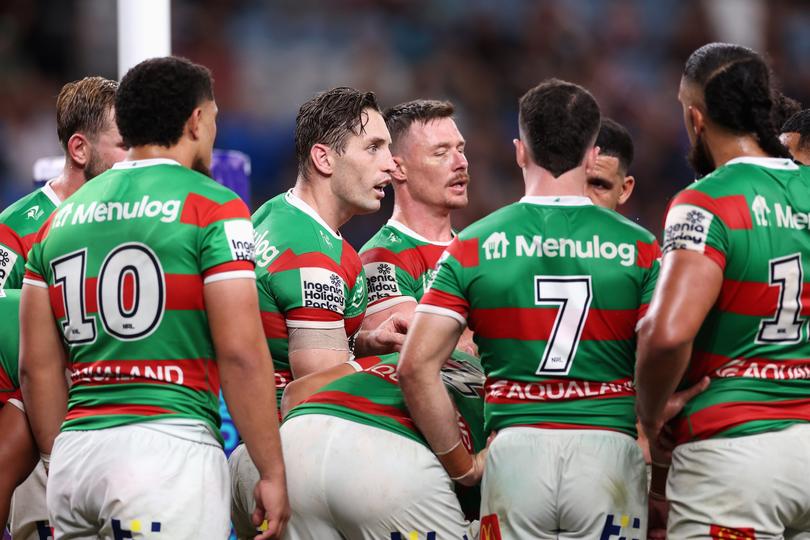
{"points": [[12, 258], [696, 222], [357, 304], [389, 283], [447, 294], [227, 245], [650, 260], [35, 272]]}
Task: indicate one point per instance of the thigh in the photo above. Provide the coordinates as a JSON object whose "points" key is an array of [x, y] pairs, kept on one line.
{"points": [[244, 477], [67, 484], [29, 513], [603, 489], [381, 484], [730, 486], [520, 484]]}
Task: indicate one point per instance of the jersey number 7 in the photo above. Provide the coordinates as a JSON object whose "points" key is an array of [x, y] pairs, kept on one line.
{"points": [[572, 295]]}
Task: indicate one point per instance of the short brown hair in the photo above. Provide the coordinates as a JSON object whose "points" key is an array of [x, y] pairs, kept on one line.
{"points": [[328, 118], [82, 107], [400, 117]]}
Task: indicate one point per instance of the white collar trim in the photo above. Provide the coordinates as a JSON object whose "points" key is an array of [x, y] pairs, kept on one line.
{"points": [[299, 203], [137, 164], [555, 200], [47, 189], [415, 235], [767, 162]]}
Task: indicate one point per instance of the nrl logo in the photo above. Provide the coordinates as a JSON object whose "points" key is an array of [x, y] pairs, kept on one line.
{"points": [[326, 239], [35, 212]]}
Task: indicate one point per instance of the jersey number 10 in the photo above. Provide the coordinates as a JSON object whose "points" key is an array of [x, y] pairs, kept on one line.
{"points": [[130, 290]]}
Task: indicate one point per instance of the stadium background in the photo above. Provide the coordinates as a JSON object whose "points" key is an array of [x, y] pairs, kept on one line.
{"points": [[268, 57]]}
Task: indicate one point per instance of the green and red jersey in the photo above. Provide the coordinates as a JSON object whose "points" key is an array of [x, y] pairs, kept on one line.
{"points": [[125, 260], [751, 218], [10, 347], [19, 224], [373, 397], [307, 274], [553, 288], [399, 264]]}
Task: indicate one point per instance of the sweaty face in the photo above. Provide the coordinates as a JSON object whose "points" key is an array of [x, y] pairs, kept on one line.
{"points": [[605, 185], [435, 166], [362, 171], [106, 149]]}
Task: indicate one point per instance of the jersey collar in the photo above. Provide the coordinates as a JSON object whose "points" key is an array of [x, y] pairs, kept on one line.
{"points": [[299, 203], [48, 191], [557, 200], [137, 164], [415, 235], [767, 162]]}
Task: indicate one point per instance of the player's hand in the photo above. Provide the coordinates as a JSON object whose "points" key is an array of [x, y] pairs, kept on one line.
{"points": [[674, 406], [604, 165], [388, 337], [272, 508], [477, 472], [658, 512]]}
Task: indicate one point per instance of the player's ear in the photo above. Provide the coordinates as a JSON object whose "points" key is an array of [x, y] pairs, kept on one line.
{"points": [[193, 123], [520, 153], [78, 149], [400, 173], [322, 159], [627, 188], [696, 119]]}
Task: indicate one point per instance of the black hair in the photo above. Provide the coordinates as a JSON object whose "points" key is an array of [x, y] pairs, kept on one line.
{"points": [[737, 90], [329, 118], [157, 97], [559, 121], [614, 140], [799, 123], [400, 117], [783, 108]]}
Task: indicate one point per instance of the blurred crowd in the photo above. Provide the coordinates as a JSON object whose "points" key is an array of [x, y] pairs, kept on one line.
{"points": [[269, 57]]}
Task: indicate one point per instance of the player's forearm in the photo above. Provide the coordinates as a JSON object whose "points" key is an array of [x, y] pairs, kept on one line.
{"points": [[659, 368], [45, 394], [432, 411], [247, 384], [300, 389]]}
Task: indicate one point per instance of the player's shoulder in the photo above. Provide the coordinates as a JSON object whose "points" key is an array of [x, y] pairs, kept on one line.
{"points": [[28, 213], [496, 221], [387, 237], [623, 225], [286, 225]]}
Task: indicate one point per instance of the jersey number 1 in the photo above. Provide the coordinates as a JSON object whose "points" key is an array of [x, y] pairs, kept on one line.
{"points": [[572, 295], [786, 325], [130, 290]]}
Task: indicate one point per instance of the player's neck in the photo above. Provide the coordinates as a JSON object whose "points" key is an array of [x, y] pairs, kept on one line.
{"points": [[428, 221], [541, 183], [322, 200], [178, 153], [725, 147], [67, 183]]}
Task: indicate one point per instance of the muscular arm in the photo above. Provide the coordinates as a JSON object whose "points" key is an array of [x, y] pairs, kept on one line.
{"points": [[404, 310], [429, 343], [42, 367], [18, 454], [312, 349], [687, 289]]}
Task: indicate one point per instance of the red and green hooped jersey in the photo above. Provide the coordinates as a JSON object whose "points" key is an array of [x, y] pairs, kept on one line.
{"points": [[553, 288], [307, 274], [125, 260], [373, 397], [399, 265], [751, 218], [9, 347], [19, 224]]}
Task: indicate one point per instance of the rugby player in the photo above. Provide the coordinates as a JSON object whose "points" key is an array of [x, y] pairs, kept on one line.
{"points": [[795, 135], [608, 183], [561, 281], [85, 124], [147, 273], [729, 306]]}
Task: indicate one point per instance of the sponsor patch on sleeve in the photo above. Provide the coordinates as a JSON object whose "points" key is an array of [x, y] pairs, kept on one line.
{"points": [[381, 279], [687, 227], [323, 289], [7, 260], [239, 233]]}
